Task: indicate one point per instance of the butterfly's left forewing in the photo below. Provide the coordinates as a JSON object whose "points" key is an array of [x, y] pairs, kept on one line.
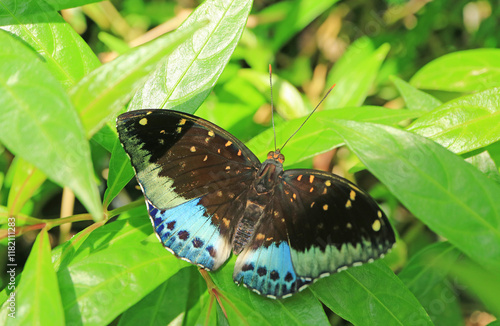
{"points": [[194, 176]]}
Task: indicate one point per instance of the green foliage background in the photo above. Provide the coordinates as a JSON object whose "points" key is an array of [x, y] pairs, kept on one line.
{"points": [[414, 118]]}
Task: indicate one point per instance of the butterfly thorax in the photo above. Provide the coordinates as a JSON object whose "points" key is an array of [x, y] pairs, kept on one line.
{"points": [[258, 198]]}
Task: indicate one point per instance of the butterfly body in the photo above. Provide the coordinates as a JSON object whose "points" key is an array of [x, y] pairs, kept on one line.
{"points": [[208, 194]]}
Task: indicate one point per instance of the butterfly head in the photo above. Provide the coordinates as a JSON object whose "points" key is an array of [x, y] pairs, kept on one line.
{"points": [[276, 155]]}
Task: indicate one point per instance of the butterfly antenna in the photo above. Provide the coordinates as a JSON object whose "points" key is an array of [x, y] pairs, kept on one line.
{"points": [[272, 107], [310, 114]]}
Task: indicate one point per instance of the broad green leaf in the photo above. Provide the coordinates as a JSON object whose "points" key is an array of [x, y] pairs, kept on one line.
{"points": [[353, 85], [425, 269], [103, 92], [132, 226], [39, 124], [463, 71], [300, 309], [463, 124], [441, 303], [434, 184], [27, 179], [180, 294], [302, 13], [184, 80], [65, 53], [316, 137], [289, 103], [415, 99], [100, 287], [120, 173], [38, 301], [370, 295]]}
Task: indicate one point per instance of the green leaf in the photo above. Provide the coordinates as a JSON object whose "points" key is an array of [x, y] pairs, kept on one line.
{"points": [[441, 302], [463, 71], [463, 124], [180, 294], [39, 124], [120, 173], [97, 289], [415, 99], [434, 185], [316, 136], [370, 295], [289, 103], [131, 227], [302, 13], [421, 273], [66, 4], [187, 77], [103, 92], [38, 301], [300, 309], [27, 179], [65, 53], [354, 78]]}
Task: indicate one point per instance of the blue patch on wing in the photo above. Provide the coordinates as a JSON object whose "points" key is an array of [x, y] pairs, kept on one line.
{"points": [[268, 271], [189, 234]]}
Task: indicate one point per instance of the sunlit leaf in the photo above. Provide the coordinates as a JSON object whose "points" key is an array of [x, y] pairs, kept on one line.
{"points": [[65, 53], [462, 71], [39, 123], [38, 301], [415, 99], [370, 294], [463, 124], [187, 77], [103, 92]]}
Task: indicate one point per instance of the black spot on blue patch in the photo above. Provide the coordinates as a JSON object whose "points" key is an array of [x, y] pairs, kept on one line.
{"points": [[211, 251], [274, 275], [288, 277], [247, 267], [183, 235], [171, 225], [197, 243], [261, 271]]}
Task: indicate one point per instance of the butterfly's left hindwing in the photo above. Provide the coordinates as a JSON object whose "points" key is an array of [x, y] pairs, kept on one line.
{"points": [[194, 176]]}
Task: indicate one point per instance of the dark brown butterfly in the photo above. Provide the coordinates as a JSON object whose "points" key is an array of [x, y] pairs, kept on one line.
{"points": [[208, 194]]}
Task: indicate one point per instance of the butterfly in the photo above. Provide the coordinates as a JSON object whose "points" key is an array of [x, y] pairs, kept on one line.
{"points": [[208, 195]]}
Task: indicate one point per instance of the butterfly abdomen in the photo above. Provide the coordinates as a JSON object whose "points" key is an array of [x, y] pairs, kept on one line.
{"points": [[244, 231]]}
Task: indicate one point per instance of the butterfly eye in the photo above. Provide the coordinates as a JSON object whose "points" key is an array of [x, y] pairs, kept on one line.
{"points": [[270, 155], [281, 158]]}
